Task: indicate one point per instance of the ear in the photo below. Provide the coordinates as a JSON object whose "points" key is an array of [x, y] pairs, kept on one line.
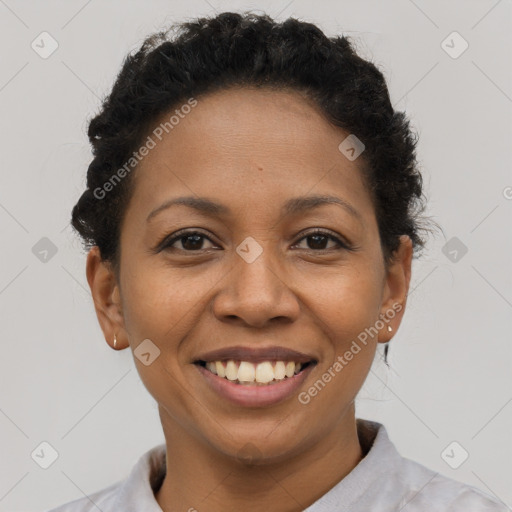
{"points": [[397, 279], [107, 299]]}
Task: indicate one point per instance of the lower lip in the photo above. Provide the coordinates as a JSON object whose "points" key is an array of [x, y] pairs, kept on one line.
{"points": [[248, 395]]}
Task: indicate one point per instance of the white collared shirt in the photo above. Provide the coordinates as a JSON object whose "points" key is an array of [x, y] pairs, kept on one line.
{"points": [[383, 481]]}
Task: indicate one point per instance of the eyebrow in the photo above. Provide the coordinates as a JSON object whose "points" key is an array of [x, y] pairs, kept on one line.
{"points": [[292, 206]]}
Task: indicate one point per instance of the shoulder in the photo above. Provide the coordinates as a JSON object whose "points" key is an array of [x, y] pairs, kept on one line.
{"points": [[100, 500], [428, 490], [385, 480], [135, 492]]}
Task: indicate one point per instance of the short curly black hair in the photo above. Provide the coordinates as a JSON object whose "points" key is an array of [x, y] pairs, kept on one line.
{"points": [[232, 49]]}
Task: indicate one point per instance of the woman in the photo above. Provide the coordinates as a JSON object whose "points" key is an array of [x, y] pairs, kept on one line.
{"points": [[252, 210]]}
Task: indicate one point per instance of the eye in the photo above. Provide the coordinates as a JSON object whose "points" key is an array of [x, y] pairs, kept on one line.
{"points": [[319, 239], [193, 241], [190, 241]]}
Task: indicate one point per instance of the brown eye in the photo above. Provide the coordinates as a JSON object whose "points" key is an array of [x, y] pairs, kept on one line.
{"points": [[190, 241], [317, 241]]}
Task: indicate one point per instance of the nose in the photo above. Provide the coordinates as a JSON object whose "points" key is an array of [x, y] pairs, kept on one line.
{"points": [[257, 293]]}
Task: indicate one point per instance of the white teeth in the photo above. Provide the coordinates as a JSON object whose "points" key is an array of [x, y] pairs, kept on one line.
{"points": [[279, 370], [245, 372], [231, 370], [212, 367], [264, 372], [221, 371]]}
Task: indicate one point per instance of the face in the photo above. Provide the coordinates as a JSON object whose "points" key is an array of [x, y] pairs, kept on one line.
{"points": [[250, 278]]}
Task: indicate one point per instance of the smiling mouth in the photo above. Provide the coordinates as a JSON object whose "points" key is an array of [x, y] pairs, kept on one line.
{"points": [[264, 373]]}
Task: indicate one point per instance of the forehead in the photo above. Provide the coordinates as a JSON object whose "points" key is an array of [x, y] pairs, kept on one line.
{"points": [[247, 147]]}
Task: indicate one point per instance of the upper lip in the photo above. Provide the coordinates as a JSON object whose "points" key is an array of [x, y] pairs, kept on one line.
{"points": [[255, 355]]}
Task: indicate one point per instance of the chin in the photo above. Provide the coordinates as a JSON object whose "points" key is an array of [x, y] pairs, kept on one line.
{"points": [[257, 443]]}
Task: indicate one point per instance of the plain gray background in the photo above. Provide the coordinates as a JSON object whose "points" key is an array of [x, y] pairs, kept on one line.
{"points": [[451, 358]]}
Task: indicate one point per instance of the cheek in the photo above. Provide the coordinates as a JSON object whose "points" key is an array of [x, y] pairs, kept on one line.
{"points": [[349, 307], [155, 308], [345, 303], [157, 304]]}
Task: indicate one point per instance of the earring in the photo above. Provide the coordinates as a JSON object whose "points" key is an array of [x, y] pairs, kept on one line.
{"points": [[115, 341], [386, 347]]}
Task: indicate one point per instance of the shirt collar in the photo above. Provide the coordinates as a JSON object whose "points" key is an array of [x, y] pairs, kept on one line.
{"points": [[379, 455], [137, 492]]}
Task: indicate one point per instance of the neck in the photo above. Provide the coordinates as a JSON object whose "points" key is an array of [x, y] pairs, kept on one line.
{"points": [[201, 478]]}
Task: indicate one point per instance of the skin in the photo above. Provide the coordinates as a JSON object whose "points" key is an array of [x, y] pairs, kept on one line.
{"points": [[250, 150]]}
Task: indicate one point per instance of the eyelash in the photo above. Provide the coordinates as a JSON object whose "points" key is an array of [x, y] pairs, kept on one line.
{"points": [[341, 245]]}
